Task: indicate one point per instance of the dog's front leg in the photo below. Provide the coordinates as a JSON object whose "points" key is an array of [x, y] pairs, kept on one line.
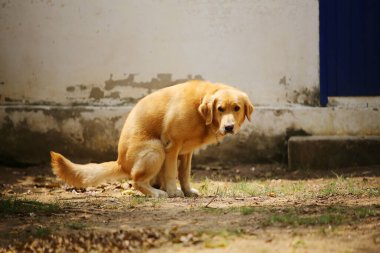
{"points": [[171, 173], [185, 174]]}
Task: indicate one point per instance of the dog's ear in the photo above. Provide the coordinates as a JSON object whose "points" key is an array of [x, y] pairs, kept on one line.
{"points": [[248, 108], [206, 109]]}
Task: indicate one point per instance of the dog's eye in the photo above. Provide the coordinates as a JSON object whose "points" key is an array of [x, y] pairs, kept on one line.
{"points": [[237, 108], [221, 109]]}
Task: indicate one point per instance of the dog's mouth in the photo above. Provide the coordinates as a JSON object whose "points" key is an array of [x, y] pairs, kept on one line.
{"points": [[224, 133]]}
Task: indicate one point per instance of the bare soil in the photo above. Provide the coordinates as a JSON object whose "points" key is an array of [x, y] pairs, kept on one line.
{"points": [[296, 211]]}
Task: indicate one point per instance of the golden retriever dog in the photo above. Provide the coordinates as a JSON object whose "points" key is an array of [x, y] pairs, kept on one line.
{"points": [[159, 136]]}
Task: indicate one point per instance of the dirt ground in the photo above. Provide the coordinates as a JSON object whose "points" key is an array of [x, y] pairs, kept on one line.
{"points": [[247, 208]]}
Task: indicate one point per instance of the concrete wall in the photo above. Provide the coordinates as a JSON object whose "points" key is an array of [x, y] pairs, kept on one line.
{"points": [[59, 51], [71, 71]]}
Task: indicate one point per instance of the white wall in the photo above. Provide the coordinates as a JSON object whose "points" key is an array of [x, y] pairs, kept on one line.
{"points": [[268, 48]]}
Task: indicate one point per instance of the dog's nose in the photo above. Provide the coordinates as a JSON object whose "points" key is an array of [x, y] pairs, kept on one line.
{"points": [[229, 128]]}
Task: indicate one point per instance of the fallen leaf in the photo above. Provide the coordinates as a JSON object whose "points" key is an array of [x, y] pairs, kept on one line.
{"points": [[216, 242], [268, 240], [376, 239], [128, 192]]}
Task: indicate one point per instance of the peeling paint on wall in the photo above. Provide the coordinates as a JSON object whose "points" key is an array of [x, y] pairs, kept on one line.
{"points": [[51, 101], [296, 94], [121, 91], [304, 96], [114, 92], [83, 133], [284, 81], [70, 89], [96, 93], [162, 80], [225, 41], [78, 86], [92, 133]]}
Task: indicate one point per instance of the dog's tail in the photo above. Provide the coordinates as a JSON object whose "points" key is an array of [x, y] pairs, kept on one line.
{"points": [[83, 175]]}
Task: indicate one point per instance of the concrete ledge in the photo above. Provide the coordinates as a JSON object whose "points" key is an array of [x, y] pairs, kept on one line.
{"points": [[329, 152], [91, 133]]}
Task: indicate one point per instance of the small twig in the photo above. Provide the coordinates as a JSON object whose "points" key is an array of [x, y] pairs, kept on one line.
{"points": [[85, 197], [337, 176], [213, 198]]}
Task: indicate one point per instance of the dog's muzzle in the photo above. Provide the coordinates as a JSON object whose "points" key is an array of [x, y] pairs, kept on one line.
{"points": [[229, 129]]}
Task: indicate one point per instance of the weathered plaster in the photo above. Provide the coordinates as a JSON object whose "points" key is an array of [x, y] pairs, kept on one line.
{"points": [[92, 133], [121, 91], [68, 86], [355, 102], [248, 43], [83, 133], [265, 139]]}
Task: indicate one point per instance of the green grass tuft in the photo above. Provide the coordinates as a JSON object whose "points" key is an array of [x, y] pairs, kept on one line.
{"points": [[77, 225], [42, 232], [338, 186], [302, 216], [14, 206], [135, 201], [297, 220], [246, 210], [333, 215]]}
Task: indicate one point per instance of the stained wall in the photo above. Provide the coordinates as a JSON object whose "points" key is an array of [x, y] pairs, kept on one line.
{"points": [[70, 71]]}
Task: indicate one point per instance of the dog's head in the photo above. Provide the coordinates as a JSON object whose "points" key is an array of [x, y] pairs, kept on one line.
{"points": [[226, 109]]}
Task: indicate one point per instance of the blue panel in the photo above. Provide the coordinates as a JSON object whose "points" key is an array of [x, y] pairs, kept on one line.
{"points": [[373, 46], [343, 47], [349, 48], [322, 48], [357, 48]]}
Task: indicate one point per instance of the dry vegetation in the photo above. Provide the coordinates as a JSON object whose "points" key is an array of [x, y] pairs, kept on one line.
{"points": [[266, 208]]}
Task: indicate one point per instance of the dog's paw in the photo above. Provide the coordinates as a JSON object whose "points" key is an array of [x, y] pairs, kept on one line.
{"points": [[175, 193], [192, 193], [159, 194]]}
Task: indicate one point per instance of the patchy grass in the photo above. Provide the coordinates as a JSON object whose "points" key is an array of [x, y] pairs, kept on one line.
{"points": [[31, 231], [14, 206], [296, 220], [332, 215], [137, 200], [230, 189], [329, 189], [374, 192], [266, 212], [305, 189], [298, 243], [77, 225], [349, 186], [41, 232], [303, 215], [218, 238], [246, 210]]}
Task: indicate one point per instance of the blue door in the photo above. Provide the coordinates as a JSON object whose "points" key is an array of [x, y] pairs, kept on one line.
{"points": [[349, 48]]}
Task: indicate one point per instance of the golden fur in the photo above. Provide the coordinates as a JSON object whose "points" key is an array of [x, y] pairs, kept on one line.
{"points": [[160, 135]]}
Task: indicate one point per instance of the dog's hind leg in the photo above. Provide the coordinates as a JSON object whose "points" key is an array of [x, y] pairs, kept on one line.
{"points": [[147, 165]]}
